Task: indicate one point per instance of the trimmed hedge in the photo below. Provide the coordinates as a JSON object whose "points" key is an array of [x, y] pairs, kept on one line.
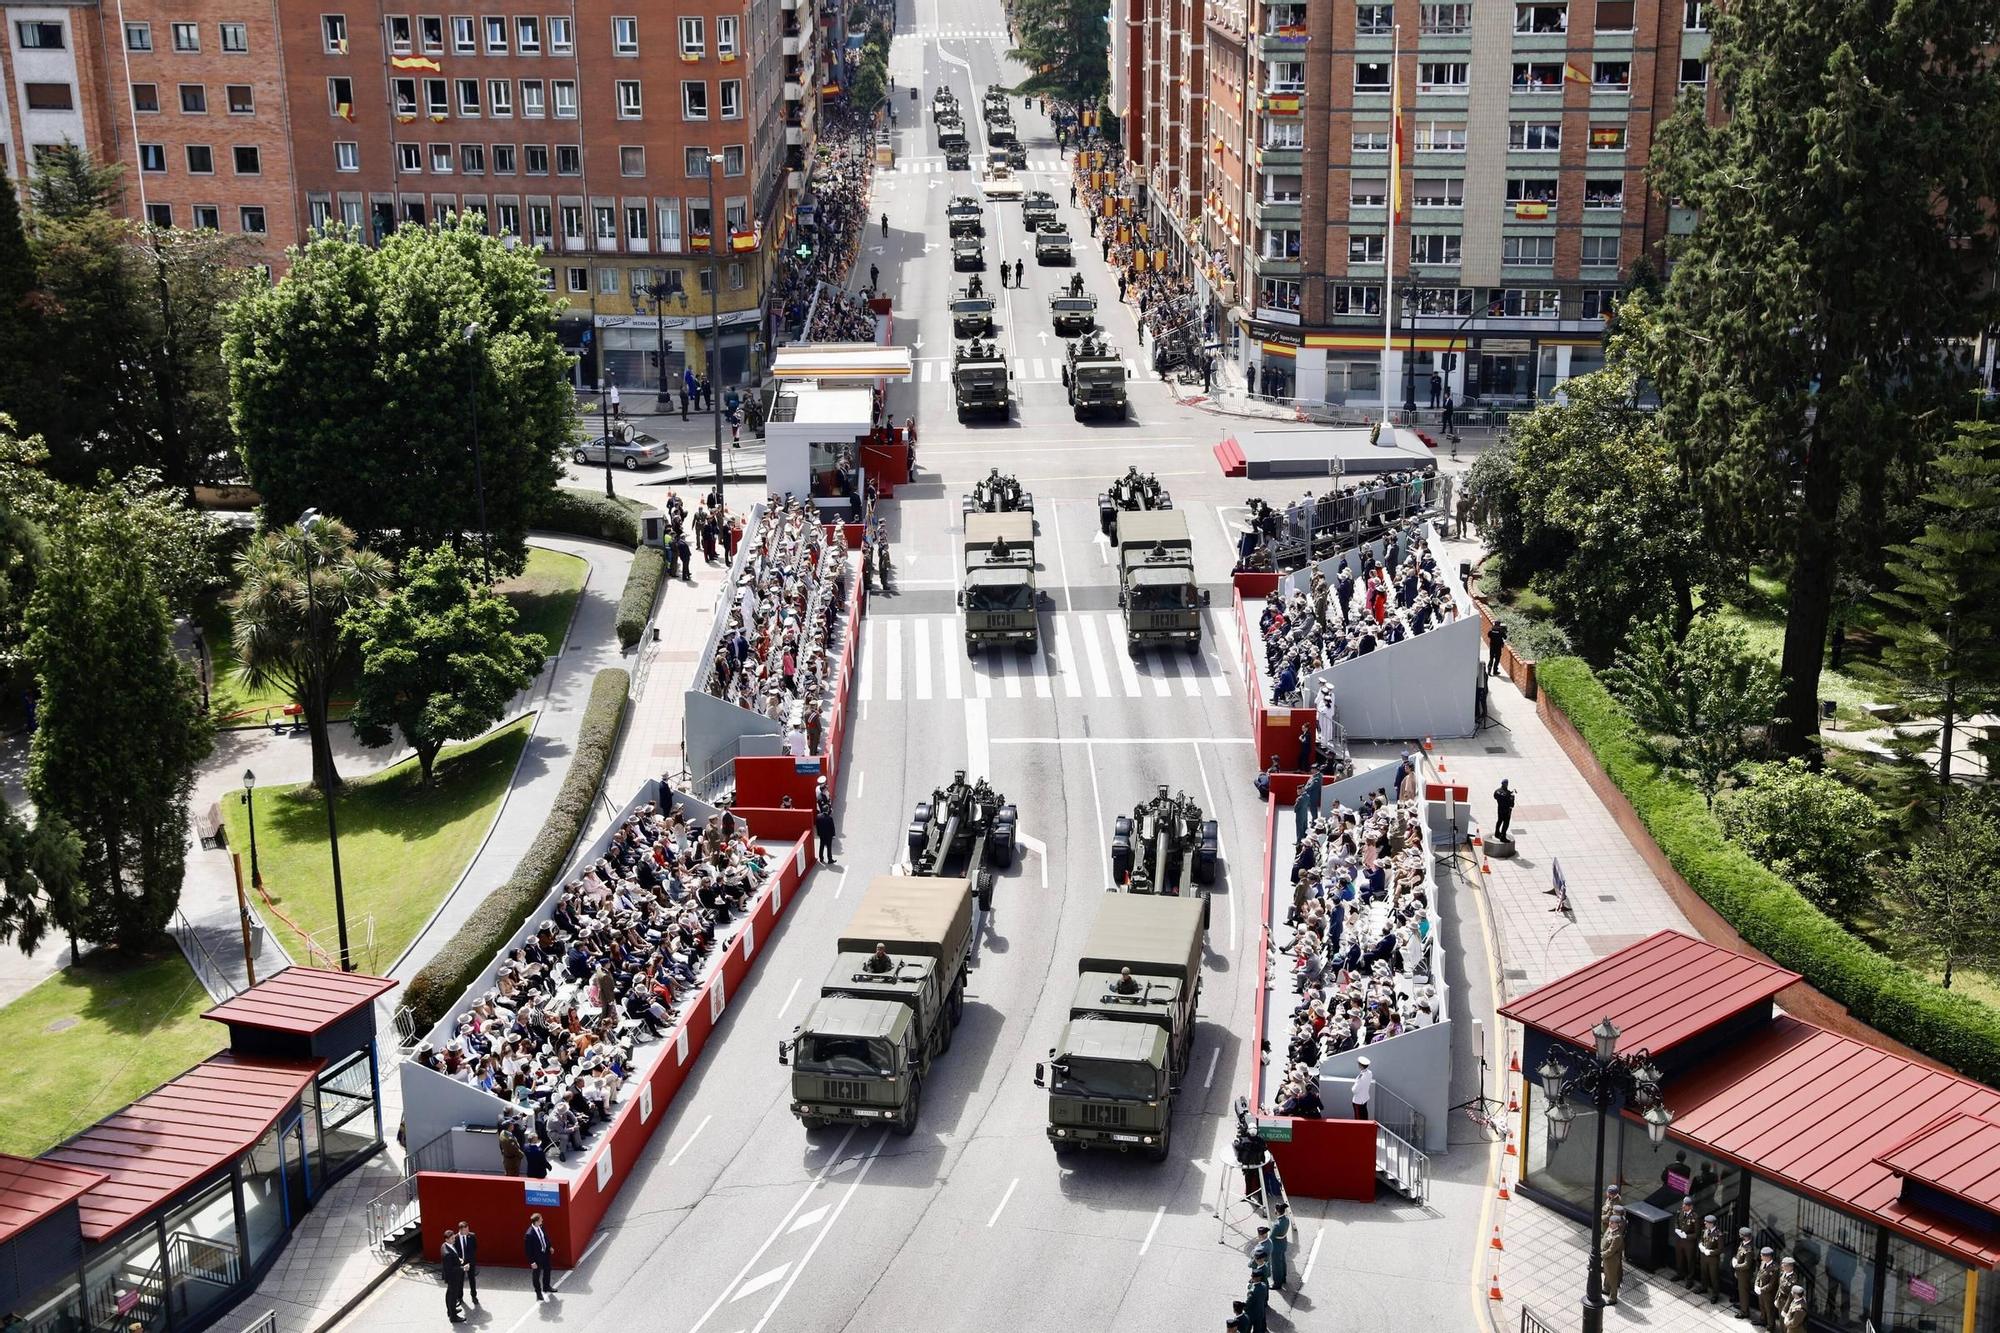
{"points": [[583, 513], [642, 589], [454, 968], [1769, 913]]}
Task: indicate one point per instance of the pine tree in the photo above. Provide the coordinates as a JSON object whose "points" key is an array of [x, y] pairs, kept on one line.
{"points": [[1064, 43], [70, 183], [1843, 246], [18, 316]]}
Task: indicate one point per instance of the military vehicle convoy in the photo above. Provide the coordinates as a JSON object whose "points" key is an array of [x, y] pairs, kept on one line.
{"points": [[887, 1009], [979, 379], [1135, 492], [1117, 1066], [1165, 847], [1094, 377], [1156, 583], [963, 217], [1052, 245], [968, 252], [998, 596], [996, 493], [1038, 207], [964, 829]]}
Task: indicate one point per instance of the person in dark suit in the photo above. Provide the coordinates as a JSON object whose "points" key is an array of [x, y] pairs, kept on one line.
{"points": [[454, 1278], [468, 1256], [540, 1258], [1503, 809]]}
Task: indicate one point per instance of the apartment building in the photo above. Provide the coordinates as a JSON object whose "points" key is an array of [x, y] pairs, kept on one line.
{"points": [[1164, 116], [1526, 133]]}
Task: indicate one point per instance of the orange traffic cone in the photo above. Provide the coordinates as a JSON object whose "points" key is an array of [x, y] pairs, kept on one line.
{"points": [[1477, 839], [1513, 1103], [1428, 744], [1485, 867], [1496, 1239], [1442, 766], [1493, 1289], [1510, 1146], [1514, 1063], [1503, 1191]]}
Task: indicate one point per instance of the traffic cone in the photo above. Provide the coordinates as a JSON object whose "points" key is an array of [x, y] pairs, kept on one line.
{"points": [[1510, 1145], [1493, 1289], [1504, 1195], [1496, 1239], [1485, 867], [1514, 1063], [1513, 1103]]}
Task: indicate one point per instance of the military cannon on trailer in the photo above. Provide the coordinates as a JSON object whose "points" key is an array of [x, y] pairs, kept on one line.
{"points": [[1135, 491], [964, 829], [1164, 846], [997, 493]]}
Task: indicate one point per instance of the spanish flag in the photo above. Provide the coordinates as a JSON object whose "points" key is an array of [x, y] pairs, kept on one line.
{"points": [[1396, 145], [345, 111], [1571, 74], [1607, 138], [415, 62], [1531, 210], [741, 241]]}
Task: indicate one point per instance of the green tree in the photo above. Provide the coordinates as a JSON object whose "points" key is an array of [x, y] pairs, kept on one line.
{"points": [[70, 184], [350, 381], [287, 631], [40, 889], [18, 314], [1941, 658], [1063, 44], [1813, 829], [1701, 700], [871, 80], [1944, 902], [439, 658], [119, 727], [192, 280], [1842, 248]]}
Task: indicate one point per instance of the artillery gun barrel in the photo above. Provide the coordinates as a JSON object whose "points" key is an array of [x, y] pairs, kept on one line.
{"points": [[940, 847], [1163, 842]]}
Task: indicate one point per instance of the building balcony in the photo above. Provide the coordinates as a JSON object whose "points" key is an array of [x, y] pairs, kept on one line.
{"points": [[1274, 212], [795, 181], [1282, 158], [1287, 267], [795, 136], [791, 6], [794, 91], [795, 43]]}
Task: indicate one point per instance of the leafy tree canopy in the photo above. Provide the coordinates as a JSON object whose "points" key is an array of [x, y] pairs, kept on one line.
{"points": [[1702, 700], [1945, 900], [1812, 828], [1066, 43]]}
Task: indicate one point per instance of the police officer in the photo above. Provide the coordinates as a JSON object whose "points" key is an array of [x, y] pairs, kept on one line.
{"points": [[1260, 1253], [1686, 1227], [1767, 1287], [1257, 1300], [1281, 1241], [1710, 1246], [1744, 1264], [1611, 1253]]}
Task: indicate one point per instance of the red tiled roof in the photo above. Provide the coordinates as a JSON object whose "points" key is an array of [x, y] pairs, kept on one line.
{"points": [[1660, 991], [1958, 1155], [304, 1000], [174, 1136], [31, 1190], [1813, 1110]]}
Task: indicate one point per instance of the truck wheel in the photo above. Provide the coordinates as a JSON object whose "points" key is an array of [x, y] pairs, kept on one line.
{"points": [[1064, 1147], [906, 1123], [956, 1005], [945, 1026], [1158, 1152], [1121, 863], [1077, 412]]}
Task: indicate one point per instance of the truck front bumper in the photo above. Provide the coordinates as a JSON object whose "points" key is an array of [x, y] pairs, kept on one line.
{"points": [[973, 636], [857, 1115], [1064, 1136]]}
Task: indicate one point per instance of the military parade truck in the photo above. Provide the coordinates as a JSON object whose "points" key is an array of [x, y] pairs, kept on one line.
{"points": [[963, 217], [1117, 1065], [1165, 847], [1017, 156], [1094, 377], [996, 493], [1135, 492], [968, 252], [999, 592], [956, 158], [1156, 587], [1038, 207], [951, 138], [1052, 245], [979, 379], [1074, 313], [1000, 128], [887, 1009], [943, 100], [972, 312]]}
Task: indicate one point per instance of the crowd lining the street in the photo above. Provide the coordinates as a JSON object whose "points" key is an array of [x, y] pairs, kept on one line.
{"points": [[841, 181], [1351, 615], [773, 654]]}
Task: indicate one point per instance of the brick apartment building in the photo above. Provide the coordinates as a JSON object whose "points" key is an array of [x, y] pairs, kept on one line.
{"points": [[586, 129], [1527, 129]]}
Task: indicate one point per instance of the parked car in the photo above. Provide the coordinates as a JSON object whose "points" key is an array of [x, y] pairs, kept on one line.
{"points": [[630, 450]]}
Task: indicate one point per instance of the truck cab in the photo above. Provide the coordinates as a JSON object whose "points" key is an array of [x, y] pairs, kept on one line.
{"points": [[979, 380], [1038, 207], [1052, 245], [998, 596], [1094, 378], [852, 1061], [1073, 314], [971, 314]]}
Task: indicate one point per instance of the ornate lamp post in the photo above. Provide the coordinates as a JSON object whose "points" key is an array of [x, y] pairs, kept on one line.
{"points": [[1605, 1078], [250, 805], [307, 522]]}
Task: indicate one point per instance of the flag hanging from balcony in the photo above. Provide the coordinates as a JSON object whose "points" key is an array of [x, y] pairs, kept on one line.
{"points": [[741, 241], [345, 111], [1571, 74], [415, 62], [1396, 143], [1531, 210], [1608, 137]]}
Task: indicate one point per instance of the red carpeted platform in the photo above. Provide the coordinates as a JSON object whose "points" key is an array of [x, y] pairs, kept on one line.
{"points": [[1230, 454]]}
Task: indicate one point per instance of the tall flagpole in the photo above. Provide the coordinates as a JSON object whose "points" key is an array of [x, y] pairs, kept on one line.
{"points": [[1395, 201]]}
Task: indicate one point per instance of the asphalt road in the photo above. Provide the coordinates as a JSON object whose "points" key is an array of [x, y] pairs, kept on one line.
{"points": [[739, 1219]]}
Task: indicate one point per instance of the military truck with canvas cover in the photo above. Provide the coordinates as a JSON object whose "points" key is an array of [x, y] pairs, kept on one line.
{"points": [[979, 380], [1117, 1066], [1094, 377], [1156, 585], [999, 593], [888, 1007]]}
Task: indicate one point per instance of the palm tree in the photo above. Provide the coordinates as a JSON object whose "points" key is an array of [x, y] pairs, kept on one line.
{"points": [[284, 632]]}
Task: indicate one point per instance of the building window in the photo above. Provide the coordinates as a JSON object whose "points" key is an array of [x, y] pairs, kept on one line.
{"points": [[47, 35], [464, 38], [561, 36], [1695, 17], [251, 219], [1434, 247], [607, 277], [1374, 20], [409, 157], [1448, 20], [735, 277], [1441, 76], [1367, 191], [706, 283], [430, 29], [346, 155], [731, 91], [533, 99], [577, 278], [629, 104], [235, 37], [1371, 141], [1694, 73], [1615, 15], [1286, 76], [635, 223], [441, 159], [242, 101], [1437, 136], [1531, 190], [535, 159], [1442, 300], [496, 36], [562, 92], [468, 97], [1541, 17], [1350, 299], [697, 164], [1611, 76], [631, 161], [1538, 76], [160, 215], [500, 96], [1607, 193], [207, 217], [194, 99], [340, 97], [725, 35], [732, 160], [333, 33], [1535, 136], [1282, 187], [1284, 134], [146, 97], [507, 218], [539, 223], [1364, 250], [1600, 252], [624, 35], [436, 97], [1438, 192], [1370, 76], [49, 97], [398, 28], [694, 100], [692, 41], [472, 159], [1528, 303], [1278, 294], [503, 159], [668, 212], [1528, 251], [138, 37], [569, 159], [698, 219], [152, 157]]}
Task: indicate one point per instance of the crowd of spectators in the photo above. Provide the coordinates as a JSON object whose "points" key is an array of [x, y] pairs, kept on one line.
{"points": [[772, 657], [1352, 614], [841, 177], [1359, 948], [621, 950], [1343, 516]]}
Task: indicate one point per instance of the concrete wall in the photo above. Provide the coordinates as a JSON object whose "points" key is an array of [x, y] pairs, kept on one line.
{"points": [[1424, 686]]}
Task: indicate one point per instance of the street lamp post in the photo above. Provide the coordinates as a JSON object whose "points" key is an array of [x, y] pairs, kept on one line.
{"points": [[324, 762], [604, 383], [715, 233], [250, 806], [1605, 1078], [472, 333]]}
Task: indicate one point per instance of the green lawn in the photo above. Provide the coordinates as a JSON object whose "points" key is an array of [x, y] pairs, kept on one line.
{"points": [[546, 592], [90, 1039], [402, 846], [1761, 616], [232, 699]]}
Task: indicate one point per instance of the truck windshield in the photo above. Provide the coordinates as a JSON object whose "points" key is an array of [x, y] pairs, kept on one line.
{"points": [[1107, 1078], [991, 377], [1160, 597], [999, 597], [846, 1055], [1112, 375]]}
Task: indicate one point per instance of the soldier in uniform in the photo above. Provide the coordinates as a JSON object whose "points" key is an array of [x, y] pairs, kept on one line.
{"points": [[1612, 1202], [1710, 1246], [1795, 1313], [1257, 1300], [1127, 984], [1687, 1226], [1281, 1239], [1744, 1264], [1611, 1253], [1767, 1287], [879, 961]]}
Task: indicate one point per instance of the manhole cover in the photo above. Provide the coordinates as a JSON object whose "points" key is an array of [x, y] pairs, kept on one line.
{"points": [[62, 1024], [1517, 974]]}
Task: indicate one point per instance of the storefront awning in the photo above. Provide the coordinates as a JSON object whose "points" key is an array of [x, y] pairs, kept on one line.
{"points": [[841, 361]]}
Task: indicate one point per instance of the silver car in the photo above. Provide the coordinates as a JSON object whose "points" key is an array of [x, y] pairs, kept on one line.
{"points": [[631, 450]]}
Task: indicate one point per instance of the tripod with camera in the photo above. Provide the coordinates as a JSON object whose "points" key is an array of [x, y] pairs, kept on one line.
{"points": [[1250, 1186]]}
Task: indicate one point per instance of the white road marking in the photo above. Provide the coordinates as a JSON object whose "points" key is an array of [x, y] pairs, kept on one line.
{"points": [[1003, 1201], [824, 1231], [1122, 655], [978, 756], [860, 782], [839, 874], [1099, 677], [1208, 799], [1214, 1059], [1158, 1213], [1010, 674], [1065, 661], [1062, 560], [920, 664], [766, 1279], [892, 675], [1123, 740], [1038, 670], [1162, 662], [809, 1219], [1041, 851], [1312, 1257], [948, 654], [982, 678], [790, 995], [866, 669], [688, 1142], [839, 1155], [1097, 804], [1184, 667], [1218, 674]]}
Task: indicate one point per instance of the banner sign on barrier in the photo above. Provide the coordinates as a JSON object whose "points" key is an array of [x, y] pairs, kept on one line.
{"points": [[543, 1196]]}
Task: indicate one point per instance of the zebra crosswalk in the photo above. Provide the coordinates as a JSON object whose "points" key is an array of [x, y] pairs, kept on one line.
{"points": [[923, 166], [1026, 370], [1082, 655]]}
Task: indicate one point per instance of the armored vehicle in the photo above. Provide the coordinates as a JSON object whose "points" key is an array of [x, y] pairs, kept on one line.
{"points": [[1038, 207], [956, 158], [1094, 377], [1133, 492], [1117, 1066], [1017, 155], [963, 217], [951, 137], [888, 1007], [968, 252], [1000, 130], [1074, 313], [972, 311], [1156, 586], [979, 379], [999, 592], [943, 100], [1052, 245]]}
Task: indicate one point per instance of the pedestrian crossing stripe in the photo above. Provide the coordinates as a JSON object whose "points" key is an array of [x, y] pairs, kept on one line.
{"points": [[1082, 655], [1027, 370]]}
